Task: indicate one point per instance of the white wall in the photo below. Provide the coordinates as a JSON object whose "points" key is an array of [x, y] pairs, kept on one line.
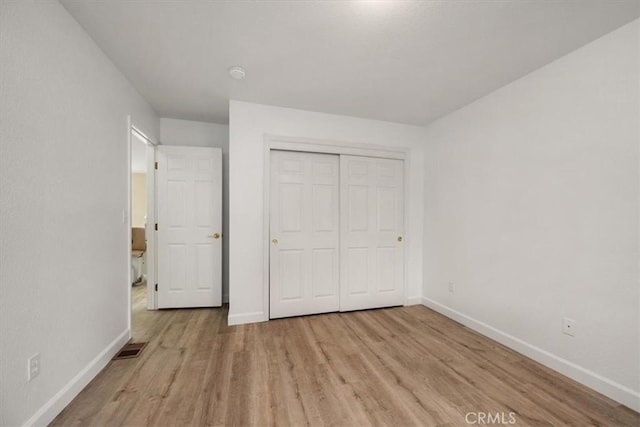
{"points": [[531, 211], [194, 134], [63, 168], [201, 134], [138, 199], [249, 123]]}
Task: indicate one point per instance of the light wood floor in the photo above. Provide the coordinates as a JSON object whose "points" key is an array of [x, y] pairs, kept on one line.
{"points": [[398, 366]]}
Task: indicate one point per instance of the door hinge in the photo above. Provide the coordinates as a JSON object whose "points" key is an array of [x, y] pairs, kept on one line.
{"points": [[156, 165], [156, 287], [156, 226]]}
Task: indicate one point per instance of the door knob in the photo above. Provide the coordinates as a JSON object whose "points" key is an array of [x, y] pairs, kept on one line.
{"points": [[399, 238], [215, 235], [274, 241]]}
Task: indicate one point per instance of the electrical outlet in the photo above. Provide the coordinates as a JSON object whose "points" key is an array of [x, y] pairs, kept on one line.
{"points": [[33, 366], [569, 326], [451, 287]]}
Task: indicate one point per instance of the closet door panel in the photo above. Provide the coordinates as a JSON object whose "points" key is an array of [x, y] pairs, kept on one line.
{"points": [[371, 240], [304, 233]]}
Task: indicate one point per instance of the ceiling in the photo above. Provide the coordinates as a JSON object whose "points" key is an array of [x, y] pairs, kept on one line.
{"points": [[401, 61]]}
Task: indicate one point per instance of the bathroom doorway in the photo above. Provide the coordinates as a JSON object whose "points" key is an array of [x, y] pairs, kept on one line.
{"points": [[142, 229]]}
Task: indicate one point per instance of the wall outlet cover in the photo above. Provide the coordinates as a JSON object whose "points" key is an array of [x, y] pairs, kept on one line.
{"points": [[33, 366], [569, 327]]}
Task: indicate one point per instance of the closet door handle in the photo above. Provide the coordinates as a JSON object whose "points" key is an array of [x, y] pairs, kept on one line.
{"points": [[274, 241], [399, 238], [215, 235]]}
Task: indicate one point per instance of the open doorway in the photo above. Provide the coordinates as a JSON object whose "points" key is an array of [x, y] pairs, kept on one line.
{"points": [[142, 226], [139, 201]]}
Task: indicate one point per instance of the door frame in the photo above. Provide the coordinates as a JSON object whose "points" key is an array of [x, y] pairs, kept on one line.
{"points": [[132, 126], [312, 145]]}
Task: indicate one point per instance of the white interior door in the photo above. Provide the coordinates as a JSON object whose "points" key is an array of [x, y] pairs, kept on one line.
{"points": [[149, 227], [304, 230], [189, 218], [372, 226]]}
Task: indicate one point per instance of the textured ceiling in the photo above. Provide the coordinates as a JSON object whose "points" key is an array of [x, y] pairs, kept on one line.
{"points": [[402, 61]]}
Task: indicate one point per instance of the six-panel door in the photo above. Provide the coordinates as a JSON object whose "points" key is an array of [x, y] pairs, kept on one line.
{"points": [[189, 182], [371, 240], [336, 230], [304, 230]]}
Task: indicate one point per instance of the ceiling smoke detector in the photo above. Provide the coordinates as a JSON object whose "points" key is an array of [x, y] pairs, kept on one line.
{"points": [[237, 73]]}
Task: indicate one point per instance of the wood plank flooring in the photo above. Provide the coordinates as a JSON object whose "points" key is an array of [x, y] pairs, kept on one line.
{"points": [[399, 367]]}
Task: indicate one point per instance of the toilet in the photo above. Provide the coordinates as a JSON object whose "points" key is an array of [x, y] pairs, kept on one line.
{"points": [[138, 255]]}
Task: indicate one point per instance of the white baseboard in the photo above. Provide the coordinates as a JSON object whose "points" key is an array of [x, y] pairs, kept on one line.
{"points": [[414, 300], [603, 385], [61, 399], [242, 318]]}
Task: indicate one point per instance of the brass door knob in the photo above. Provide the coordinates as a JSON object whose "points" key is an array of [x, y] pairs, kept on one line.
{"points": [[399, 238], [215, 235], [274, 241]]}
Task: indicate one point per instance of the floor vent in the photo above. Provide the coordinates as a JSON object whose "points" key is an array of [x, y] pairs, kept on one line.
{"points": [[131, 350]]}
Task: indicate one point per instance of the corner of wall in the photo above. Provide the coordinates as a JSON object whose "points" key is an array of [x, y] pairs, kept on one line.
{"points": [[609, 388], [414, 300], [243, 318], [66, 394]]}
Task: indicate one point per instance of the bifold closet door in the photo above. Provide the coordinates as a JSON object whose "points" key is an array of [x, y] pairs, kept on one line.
{"points": [[304, 233], [372, 227]]}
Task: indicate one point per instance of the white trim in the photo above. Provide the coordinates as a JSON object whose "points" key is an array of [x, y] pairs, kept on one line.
{"points": [[609, 388], [277, 142], [62, 398], [128, 222], [141, 133], [266, 206], [242, 318], [152, 249], [311, 145], [406, 182]]}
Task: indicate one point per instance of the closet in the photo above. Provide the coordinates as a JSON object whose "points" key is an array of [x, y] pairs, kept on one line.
{"points": [[336, 233]]}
